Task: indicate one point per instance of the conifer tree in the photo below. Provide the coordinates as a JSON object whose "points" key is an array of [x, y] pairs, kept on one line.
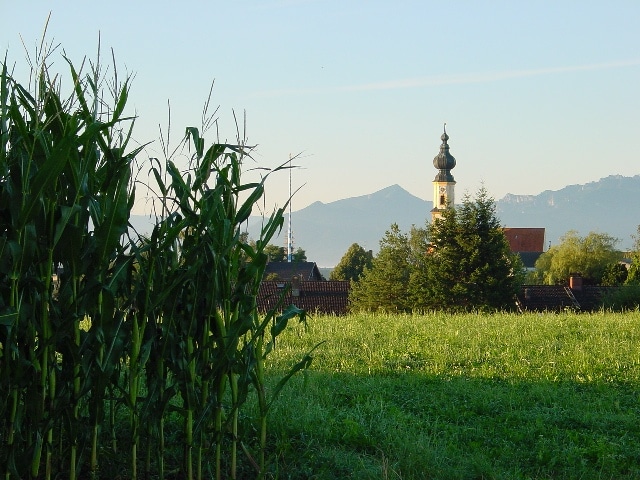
{"points": [[470, 265], [384, 286]]}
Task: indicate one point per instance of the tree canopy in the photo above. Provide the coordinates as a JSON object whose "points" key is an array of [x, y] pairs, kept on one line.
{"points": [[633, 277], [276, 253], [383, 286], [460, 262], [590, 256], [352, 264], [470, 265]]}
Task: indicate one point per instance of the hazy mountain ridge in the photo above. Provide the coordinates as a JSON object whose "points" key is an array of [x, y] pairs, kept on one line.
{"points": [[326, 230], [610, 205], [596, 192]]}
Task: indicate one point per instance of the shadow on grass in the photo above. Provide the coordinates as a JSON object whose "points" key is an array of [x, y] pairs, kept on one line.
{"points": [[413, 426]]}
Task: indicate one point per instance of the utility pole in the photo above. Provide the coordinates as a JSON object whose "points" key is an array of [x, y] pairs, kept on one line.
{"points": [[290, 231]]}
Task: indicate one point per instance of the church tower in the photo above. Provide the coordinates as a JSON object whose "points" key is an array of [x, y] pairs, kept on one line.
{"points": [[443, 184]]}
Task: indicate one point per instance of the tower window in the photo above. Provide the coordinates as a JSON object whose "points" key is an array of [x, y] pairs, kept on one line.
{"points": [[442, 200]]}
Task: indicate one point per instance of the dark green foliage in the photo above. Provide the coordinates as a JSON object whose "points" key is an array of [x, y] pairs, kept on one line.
{"points": [[275, 253], [211, 337], [384, 286], [66, 194], [279, 254], [633, 277], [96, 325], [299, 255], [614, 274], [626, 297], [352, 264], [469, 265], [461, 262]]}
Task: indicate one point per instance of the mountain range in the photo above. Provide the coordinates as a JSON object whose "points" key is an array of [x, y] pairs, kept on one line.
{"points": [[326, 230]]}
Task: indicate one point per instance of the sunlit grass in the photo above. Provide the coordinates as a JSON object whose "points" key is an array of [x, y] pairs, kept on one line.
{"points": [[462, 396], [509, 346]]}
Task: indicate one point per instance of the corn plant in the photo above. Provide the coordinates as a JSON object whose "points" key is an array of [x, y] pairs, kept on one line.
{"points": [[94, 317], [65, 202], [208, 336]]}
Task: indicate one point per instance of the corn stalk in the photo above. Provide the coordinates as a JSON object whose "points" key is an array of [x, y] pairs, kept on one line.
{"points": [[65, 198], [162, 324]]}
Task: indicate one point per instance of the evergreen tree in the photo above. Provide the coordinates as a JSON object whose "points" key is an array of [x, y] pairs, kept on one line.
{"points": [[461, 262], [352, 264], [384, 285], [420, 260], [470, 265]]}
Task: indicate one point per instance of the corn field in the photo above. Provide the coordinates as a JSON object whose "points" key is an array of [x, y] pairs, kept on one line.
{"points": [[97, 323]]}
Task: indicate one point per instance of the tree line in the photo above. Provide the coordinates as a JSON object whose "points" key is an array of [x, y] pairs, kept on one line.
{"points": [[463, 262]]}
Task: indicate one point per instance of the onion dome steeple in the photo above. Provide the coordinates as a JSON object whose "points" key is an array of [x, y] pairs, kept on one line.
{"points": [[443, 184], [444, 161]]}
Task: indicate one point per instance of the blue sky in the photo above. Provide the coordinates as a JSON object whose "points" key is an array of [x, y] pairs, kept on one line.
{"points": [[536, 95]]}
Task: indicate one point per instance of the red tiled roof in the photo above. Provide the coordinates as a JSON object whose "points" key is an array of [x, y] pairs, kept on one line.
{"points": [[329, 297], [525, 239]]}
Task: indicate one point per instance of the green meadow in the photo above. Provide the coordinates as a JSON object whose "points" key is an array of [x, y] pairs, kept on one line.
{"points": [[126, 357], [443, 396]]}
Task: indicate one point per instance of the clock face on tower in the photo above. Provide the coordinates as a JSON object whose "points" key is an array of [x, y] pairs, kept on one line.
{"points": [[442, 189]]}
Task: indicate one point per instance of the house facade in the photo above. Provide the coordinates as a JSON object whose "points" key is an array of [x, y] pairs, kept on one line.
{"points": [[528, 243]]}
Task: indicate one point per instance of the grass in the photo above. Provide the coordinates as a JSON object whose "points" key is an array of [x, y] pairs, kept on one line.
{"points": [[460, 397]]}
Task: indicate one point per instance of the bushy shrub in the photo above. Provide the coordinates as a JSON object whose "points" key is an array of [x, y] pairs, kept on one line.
{"points": [[622, 298]]}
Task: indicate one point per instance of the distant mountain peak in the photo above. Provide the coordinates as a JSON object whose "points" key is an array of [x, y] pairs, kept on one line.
{"points": [[512, 198], [596, 184], [326, 230], [584, 207], [391, 188], [390, 192]]}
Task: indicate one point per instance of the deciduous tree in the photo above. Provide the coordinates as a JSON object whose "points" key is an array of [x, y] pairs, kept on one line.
{"points": [[299, 255], [352, 264], [633, 278], [615, 274], [275, 253], [588, 256]]}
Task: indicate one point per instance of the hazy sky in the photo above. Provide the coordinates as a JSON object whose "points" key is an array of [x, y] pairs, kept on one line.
{"points": [[536, 94]]}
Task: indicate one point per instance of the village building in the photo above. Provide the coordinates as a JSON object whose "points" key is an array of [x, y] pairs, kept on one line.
{"points": [[285, 271], [528, 243], [444, 183], [315, 297], [301, 283]]}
